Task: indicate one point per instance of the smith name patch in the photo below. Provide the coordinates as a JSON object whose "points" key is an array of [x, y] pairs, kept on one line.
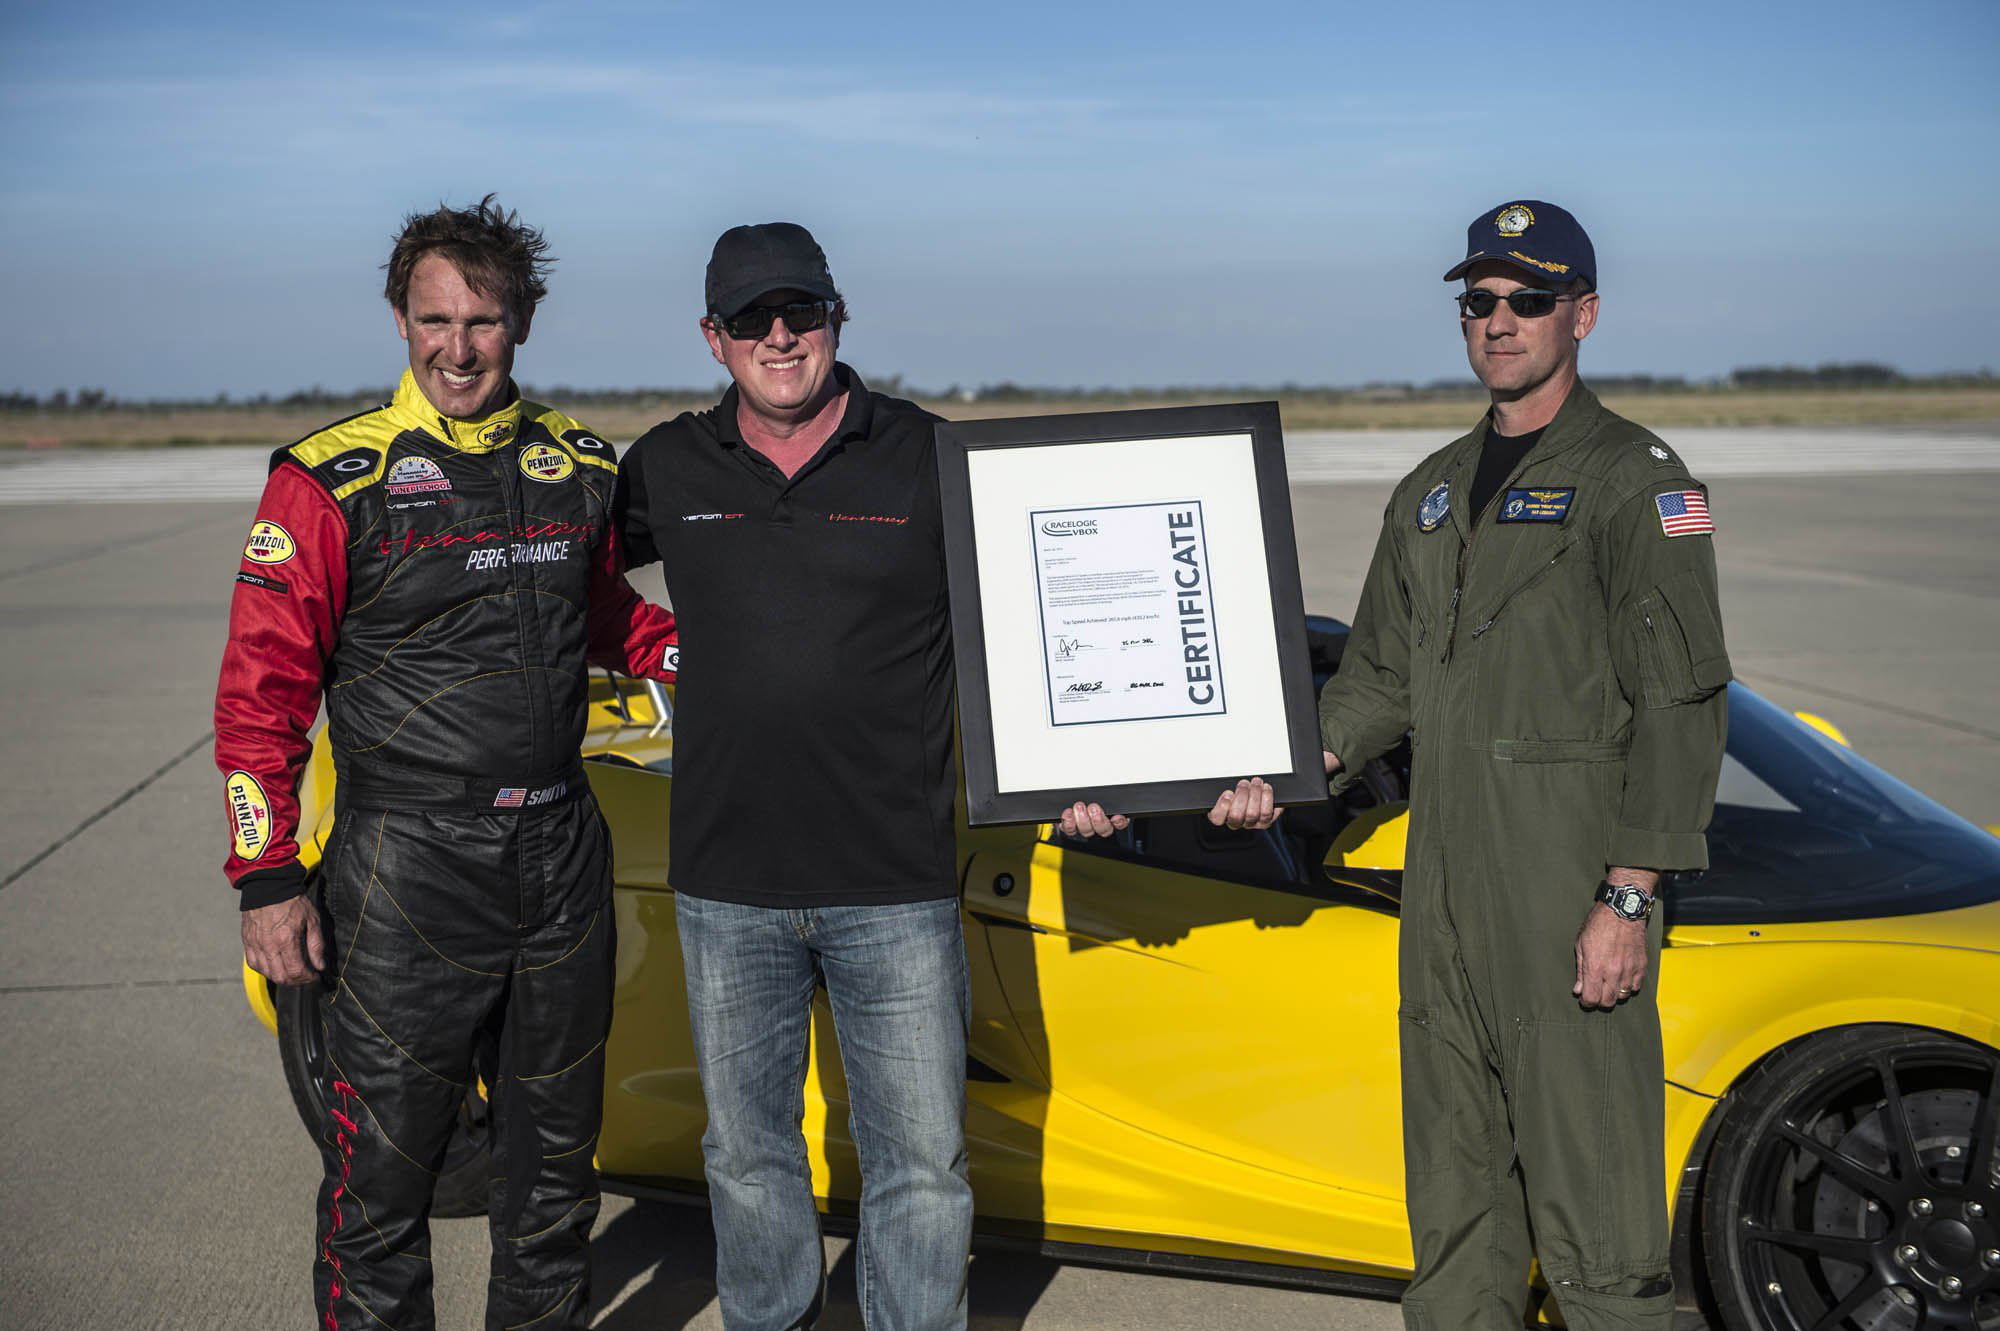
{"points": [[1536, 505]]}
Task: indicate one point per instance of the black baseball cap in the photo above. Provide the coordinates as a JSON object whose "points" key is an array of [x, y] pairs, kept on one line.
{"points": [[1536, 237], [771, 256]]}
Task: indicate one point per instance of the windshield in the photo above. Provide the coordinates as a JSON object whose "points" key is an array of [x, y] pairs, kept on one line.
{"points": [[1805, 829]]}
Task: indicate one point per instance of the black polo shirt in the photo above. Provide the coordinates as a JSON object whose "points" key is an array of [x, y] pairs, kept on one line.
{"points": [[812, 719]]}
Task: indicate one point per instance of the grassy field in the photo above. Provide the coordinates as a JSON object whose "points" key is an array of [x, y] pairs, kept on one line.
{"points": [[141, 427]]}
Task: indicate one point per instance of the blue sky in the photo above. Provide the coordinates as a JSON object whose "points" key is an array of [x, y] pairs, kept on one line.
{"points": [[198, 196]]}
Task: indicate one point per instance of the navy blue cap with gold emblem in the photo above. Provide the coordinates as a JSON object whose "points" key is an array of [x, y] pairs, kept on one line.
{"points": [[1536, 237]]}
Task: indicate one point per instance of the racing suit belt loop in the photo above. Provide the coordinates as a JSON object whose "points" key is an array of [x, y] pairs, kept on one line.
{"points": [[373, 784]]}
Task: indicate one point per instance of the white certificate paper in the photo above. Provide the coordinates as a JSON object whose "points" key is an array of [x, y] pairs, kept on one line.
{"points": [[1127, 613], [1037, 747]]}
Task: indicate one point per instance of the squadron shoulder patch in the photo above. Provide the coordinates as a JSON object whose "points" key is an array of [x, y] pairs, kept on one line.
{"points": [[1539, 505], [1435, 508]]}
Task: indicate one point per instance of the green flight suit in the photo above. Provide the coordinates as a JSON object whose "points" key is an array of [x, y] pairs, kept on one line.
{"points": [[1559, 667]]}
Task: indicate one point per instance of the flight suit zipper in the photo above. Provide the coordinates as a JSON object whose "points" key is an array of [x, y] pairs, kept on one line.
{"points": [[1538, 575], [1451, 610]]}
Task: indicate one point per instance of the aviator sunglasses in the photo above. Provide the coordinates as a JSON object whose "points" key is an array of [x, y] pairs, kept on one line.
{"points": [[755, 322], [1529, 303]]}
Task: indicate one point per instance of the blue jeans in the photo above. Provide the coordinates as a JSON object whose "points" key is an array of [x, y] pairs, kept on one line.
{"points": [[897, 982]]}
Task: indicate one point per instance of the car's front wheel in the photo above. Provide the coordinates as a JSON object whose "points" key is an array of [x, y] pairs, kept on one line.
{"points": [[462, 1182], [1854, 1186]]}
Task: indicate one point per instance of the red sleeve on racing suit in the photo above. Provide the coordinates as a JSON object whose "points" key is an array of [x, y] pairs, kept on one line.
{"points": [[628, 633], [291, 592]]}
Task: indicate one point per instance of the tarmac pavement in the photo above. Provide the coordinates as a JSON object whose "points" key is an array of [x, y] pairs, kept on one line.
{"points": [[152, 1172]]}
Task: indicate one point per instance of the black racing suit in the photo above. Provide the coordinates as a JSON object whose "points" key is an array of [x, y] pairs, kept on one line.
{"points": [[442, 583]]}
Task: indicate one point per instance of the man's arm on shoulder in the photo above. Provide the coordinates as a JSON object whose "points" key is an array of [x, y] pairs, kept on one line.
{"points": [[283, 622]]}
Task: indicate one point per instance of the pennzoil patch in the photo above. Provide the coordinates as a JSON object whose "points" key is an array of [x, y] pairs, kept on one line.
{"points": [[1435, 508], [1539, 505], [541, 462], [269, 543], [249, 815]]}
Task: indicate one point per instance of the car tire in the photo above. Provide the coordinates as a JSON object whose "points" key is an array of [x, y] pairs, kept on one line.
{"points": [[462, 1184], [1854, 1184]]}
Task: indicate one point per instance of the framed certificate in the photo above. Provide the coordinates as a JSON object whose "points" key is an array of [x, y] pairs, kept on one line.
{"points": [[1126, 608]]}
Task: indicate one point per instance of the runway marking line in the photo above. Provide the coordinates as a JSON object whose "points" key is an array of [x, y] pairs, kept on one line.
{"points": [[77, 831]]}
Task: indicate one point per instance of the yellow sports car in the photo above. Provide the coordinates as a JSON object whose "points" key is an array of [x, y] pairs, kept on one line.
{"points": [[1183, 1046]]}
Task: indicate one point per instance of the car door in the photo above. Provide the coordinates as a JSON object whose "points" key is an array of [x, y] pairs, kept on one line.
{"points": [[1210, 1009]]}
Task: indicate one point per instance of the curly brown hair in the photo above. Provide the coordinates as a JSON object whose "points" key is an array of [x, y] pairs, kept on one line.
{"points": [[494, 251]]}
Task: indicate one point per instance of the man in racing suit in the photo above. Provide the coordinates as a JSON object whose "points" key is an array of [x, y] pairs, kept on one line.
{"points": [[440, 568], [1541, 618]]}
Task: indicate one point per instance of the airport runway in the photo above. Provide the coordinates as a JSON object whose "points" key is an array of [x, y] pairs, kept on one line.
{"points": [[152, 1173]]}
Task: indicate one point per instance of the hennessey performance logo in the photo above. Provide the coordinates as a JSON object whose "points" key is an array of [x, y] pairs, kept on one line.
{"points": [[521, 552], [410, 542], [865, 517]]}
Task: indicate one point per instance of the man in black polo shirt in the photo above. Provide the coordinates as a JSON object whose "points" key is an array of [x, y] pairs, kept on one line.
{"points": [[811, 827]]}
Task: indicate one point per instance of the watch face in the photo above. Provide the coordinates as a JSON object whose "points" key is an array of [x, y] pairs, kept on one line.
{"points": [[1629, 902]]}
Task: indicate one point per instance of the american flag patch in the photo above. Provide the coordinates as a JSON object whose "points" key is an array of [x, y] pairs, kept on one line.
{"points": [[510, 797], [1684, 513]]}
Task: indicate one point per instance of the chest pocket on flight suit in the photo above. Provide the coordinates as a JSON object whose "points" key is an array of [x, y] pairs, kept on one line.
{"points": [[1541, 675]]}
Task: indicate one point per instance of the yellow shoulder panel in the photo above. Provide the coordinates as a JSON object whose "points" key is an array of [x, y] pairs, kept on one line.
{"points": [[578, 440], [360, 442]]}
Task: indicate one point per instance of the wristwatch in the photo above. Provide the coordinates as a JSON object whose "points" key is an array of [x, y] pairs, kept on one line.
{"points": [[1626, 902]]}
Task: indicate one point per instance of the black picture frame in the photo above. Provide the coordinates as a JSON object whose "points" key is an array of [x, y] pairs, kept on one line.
{"points": [[975, 497]]}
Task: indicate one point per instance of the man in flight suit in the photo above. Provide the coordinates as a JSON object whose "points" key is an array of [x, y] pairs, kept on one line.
{"points": [[1541, 618], [440, 568]]}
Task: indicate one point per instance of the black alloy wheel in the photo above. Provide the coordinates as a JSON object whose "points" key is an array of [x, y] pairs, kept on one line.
{"points": [[462, 1183], [1855, 1186]]}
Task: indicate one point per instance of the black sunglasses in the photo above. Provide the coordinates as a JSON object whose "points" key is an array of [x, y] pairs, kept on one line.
{"points": [[1529, 302], [755, 322]]}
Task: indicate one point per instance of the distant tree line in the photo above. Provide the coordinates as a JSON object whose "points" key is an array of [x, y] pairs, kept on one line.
{"points": [[1859, 374], [1852, 375]]}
